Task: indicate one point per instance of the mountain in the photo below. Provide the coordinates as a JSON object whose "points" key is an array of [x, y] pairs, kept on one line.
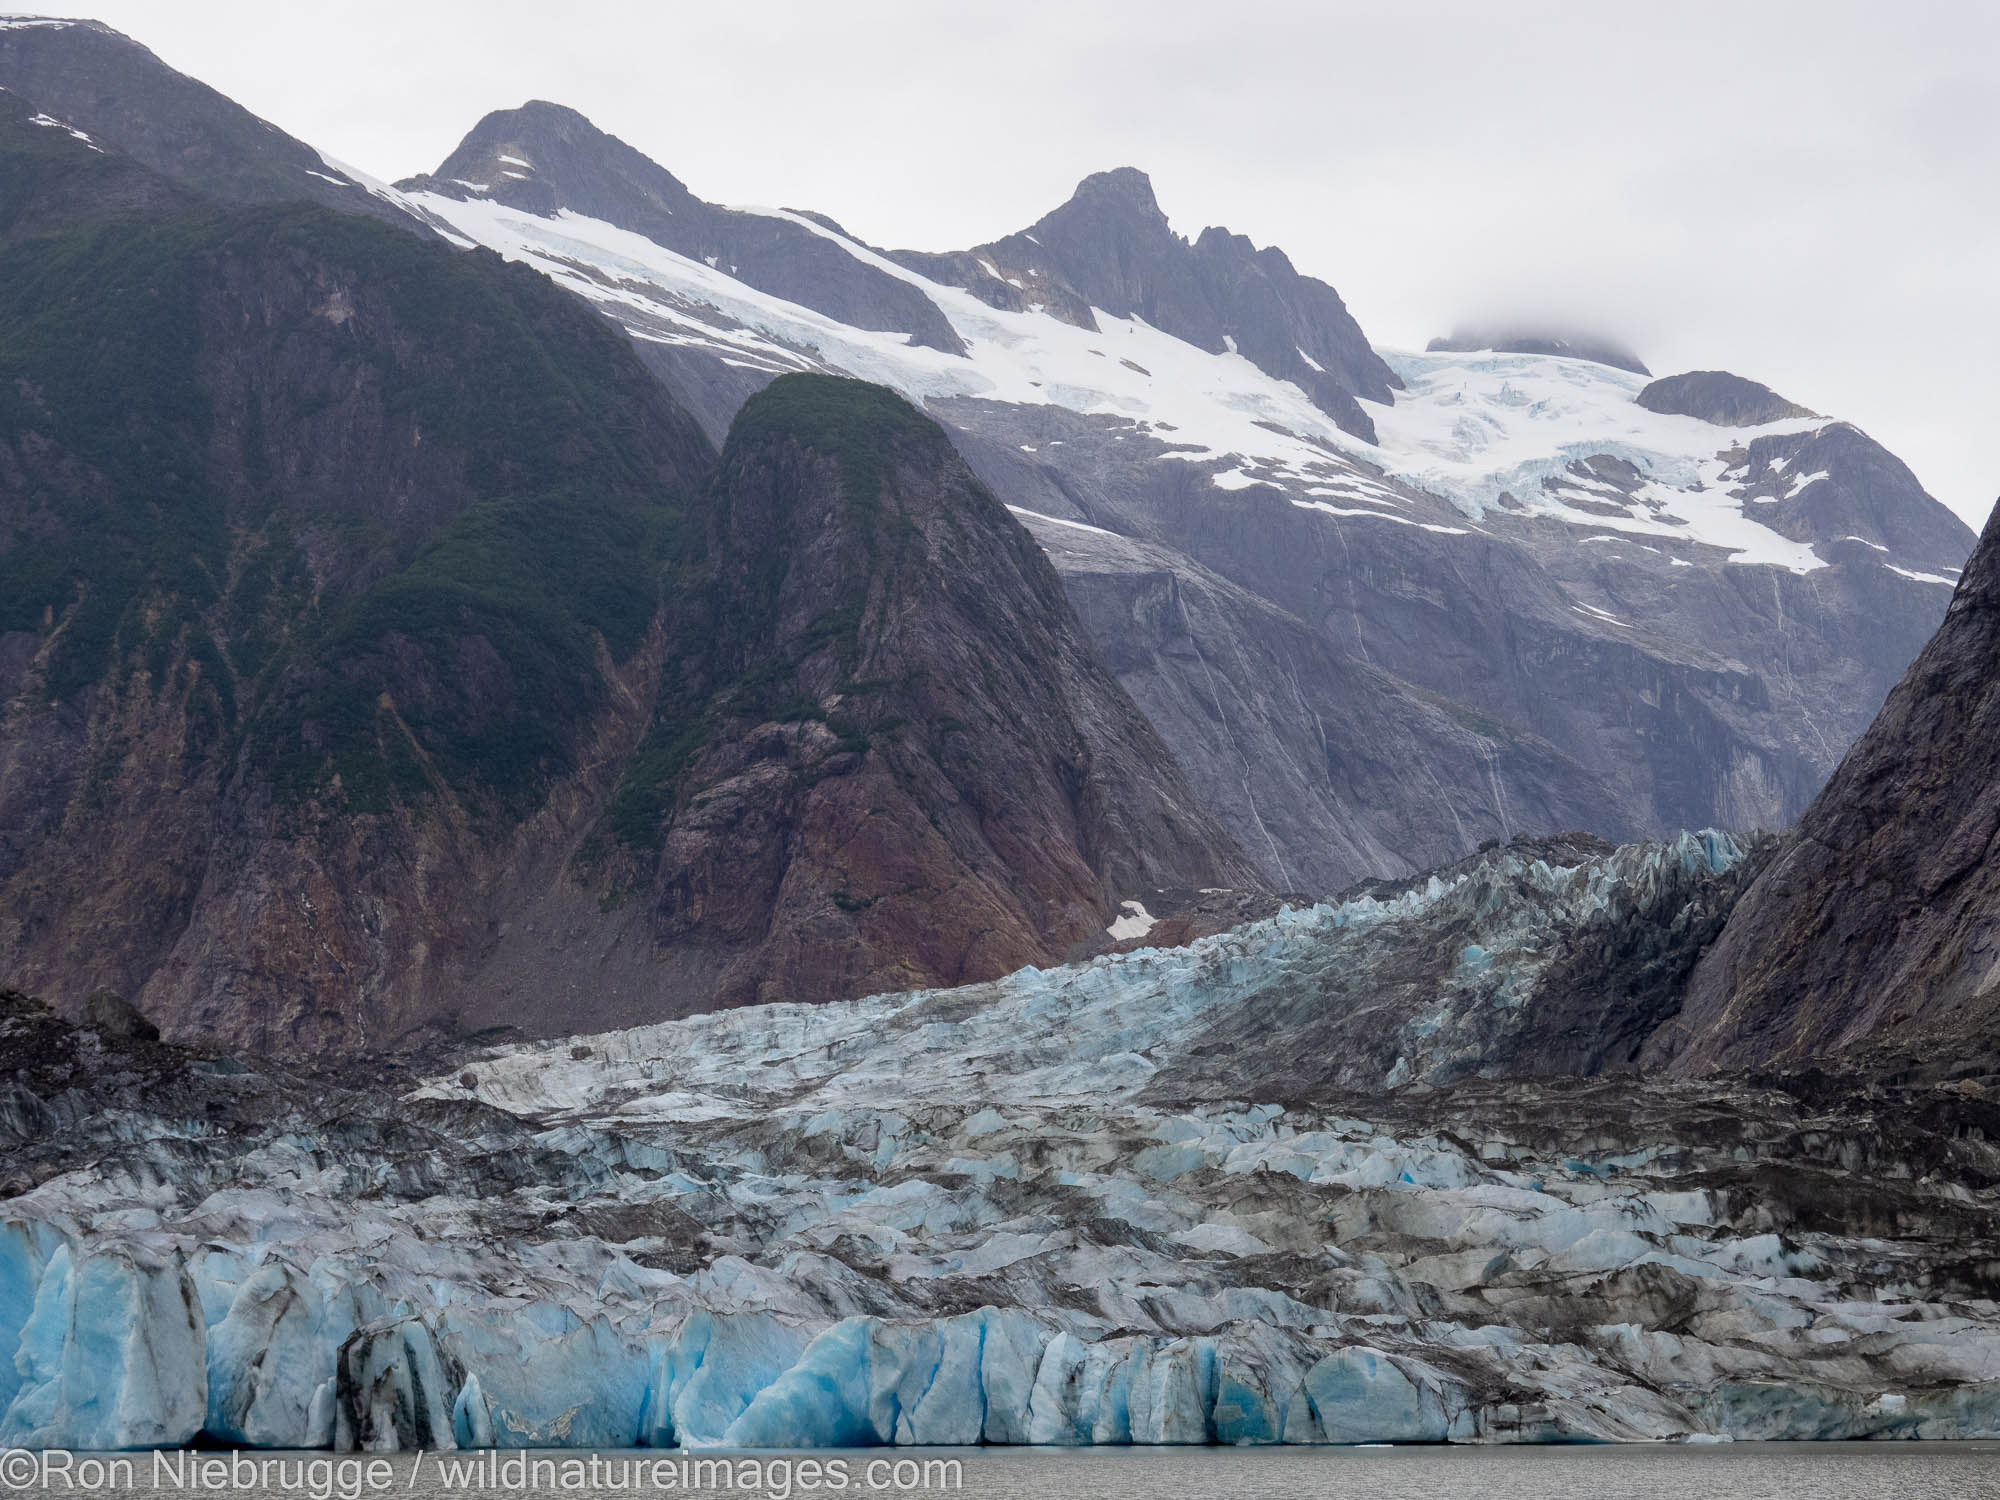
{"points": [[1323, 763], [547, 160], [1870, 939], [106, 85], [1721, 398], [1531, 592], [390, 664], [325, 559], [884, 756], [383, 648], [52, 186], [1532, 600], [1558, 593], [1110, 248]]}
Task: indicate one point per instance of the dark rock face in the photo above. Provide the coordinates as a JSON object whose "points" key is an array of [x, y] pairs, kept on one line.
{"points": [[543, 158], [106, 1012], [1597, 350], [884, 758], [56, 182], [304, 622], [1110, 247], [1454, 691], [1874, 935], [1836, 487], [1719, 397], [125, 98], [1309, 754]]}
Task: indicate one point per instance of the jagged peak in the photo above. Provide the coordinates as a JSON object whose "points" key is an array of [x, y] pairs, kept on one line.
{"points": [[1217, 238], [1126, 186], [558, 140], [536, 114]]}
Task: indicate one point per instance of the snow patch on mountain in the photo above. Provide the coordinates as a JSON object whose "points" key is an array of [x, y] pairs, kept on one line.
{"points": [[1512, 431], [1480, 430], [51, 122], [1203, 407], [1133, 921]]}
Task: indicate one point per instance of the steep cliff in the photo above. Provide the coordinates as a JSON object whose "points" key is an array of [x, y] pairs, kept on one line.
{"points": [[1873, 937], [327, 559], [885, 755]]}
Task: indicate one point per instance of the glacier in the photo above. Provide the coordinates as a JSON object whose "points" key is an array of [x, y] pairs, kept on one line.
{"points": [[1295, 1183]]}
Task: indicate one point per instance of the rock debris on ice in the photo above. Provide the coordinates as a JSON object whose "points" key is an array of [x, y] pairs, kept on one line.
{"points": [[1065, 1207]]}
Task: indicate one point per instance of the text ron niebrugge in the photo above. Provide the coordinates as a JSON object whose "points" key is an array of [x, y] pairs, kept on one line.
{"points": [[57, 1471]]}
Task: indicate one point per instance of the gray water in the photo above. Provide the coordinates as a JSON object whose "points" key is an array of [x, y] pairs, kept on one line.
{"points": [[1741, 1471]]}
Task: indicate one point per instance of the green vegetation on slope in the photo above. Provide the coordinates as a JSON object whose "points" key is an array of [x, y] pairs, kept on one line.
{"points": [[856, 424], [153, 519], [728, 665]]}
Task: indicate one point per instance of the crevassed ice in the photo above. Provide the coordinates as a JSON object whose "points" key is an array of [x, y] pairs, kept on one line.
{"points": [[960, 1216]]}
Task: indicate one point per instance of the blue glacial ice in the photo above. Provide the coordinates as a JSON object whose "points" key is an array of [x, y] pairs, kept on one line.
{"points": [[1013, 1213]]}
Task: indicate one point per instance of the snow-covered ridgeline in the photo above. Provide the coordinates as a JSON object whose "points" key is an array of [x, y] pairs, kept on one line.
{"points": [[1204, 406], [1469, 427], [969, 1216]]}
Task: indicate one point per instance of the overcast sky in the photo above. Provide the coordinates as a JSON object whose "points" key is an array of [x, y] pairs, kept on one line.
{"points": [[1808, 194]]}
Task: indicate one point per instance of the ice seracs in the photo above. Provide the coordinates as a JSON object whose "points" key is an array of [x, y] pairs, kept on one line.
{"points": [[1041, 1210]]}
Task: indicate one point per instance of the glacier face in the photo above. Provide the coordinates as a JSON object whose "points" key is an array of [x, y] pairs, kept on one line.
{"points": [[1052, 1209]]}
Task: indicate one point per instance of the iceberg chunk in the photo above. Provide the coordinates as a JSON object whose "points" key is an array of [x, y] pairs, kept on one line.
{"points": [[1360, 1395], [112, 1355], [394, 1389], [268, 1359]]}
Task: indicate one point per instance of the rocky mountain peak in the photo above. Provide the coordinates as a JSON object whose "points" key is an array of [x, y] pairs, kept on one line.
{"points": [[1721, 398], [1110, 248], [886, 758], [1122, 187], [103, 83], [546, 156], [543, 115]]}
